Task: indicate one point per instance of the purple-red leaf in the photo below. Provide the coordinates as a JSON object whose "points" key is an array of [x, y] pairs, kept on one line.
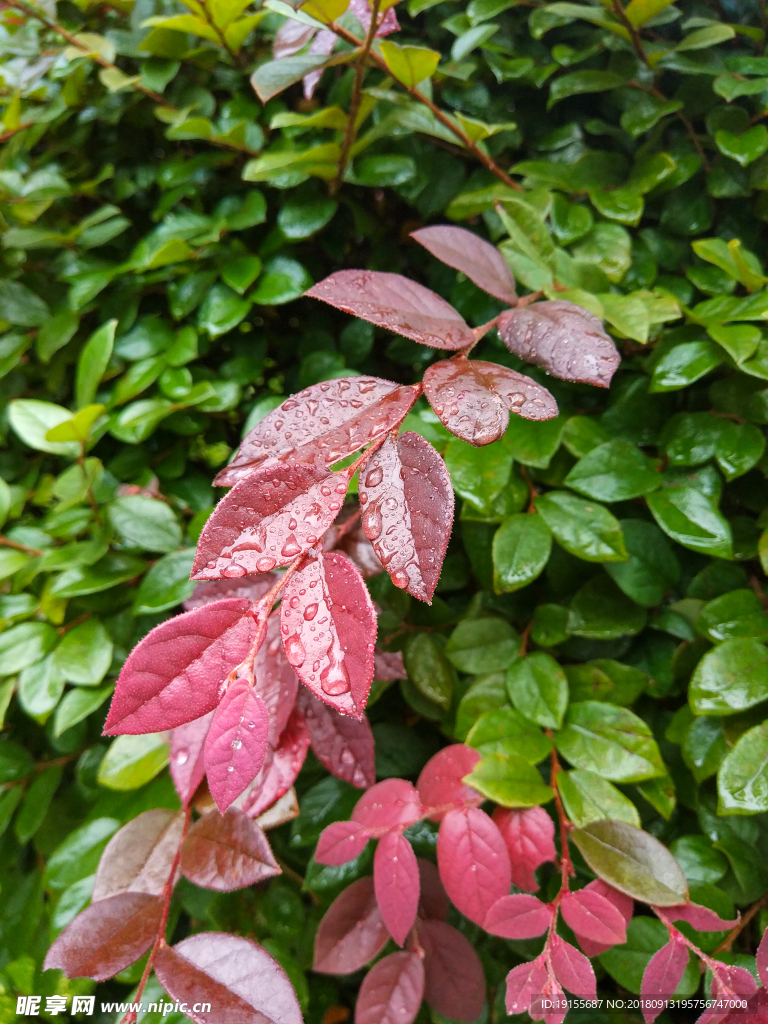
{"points": [[397, 304], [328, 625], [344, 745], [623, 903], [525, 983], [251, 589], [329, 420], [352, 932], [473, 399], [272, 515], [357, 548], [440, 786], [529, 836], [518, 917], [407, 502], [291, 37], [396, 880], [277, 777], [187, 761], [473, 862], [236, 743], [564, 339], [392, 991], [662, 976], [240, 980], [593, 916], [139, 857], [701, 918], [226, 852], [572, 969], [433, 900], [465, 251], [762, 959], [174, 674], [275, 681], [388, 667], [454, 983], [107, 936], [340, 842], [391, 804]]}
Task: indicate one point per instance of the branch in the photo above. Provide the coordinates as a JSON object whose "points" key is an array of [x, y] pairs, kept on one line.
{"points": [[744, 920], [6, 543], [634, 35]]}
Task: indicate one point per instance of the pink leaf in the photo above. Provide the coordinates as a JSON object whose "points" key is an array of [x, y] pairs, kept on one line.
{"points": [[344, 745], [551, 1006], [529, 836], [174, 674], [273, 515], [328, 625], [387, 667], [236, 743], [291, 37], [139, 856], [473, 862], [352, 932], [593, 916], [433, 900], [623, 903], [662, 975], [187, 760], [473, 399], [251, 588], [397, 304], [277, 777], [391, 804], [392, 991], [701, 918], [564, 339], [518, 917], [762, 959], [340, 842], [357, 548], [726, 983], [227, 852], [322, 44], [362, 11], [440, 786], [454, 983], [465, 251], [407, 502], [329, 420], [572, 969], [525, 983], [276, 682], [396, 880]]}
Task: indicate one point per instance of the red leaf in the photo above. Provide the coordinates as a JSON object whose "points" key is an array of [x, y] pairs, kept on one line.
{"points": [[726, 983], [241, 981], [440, 786], [524, 983], [473, 399], [107, 937], [551, 1006], [139, 857], [352, 932], [572, 969], [340, 842], [251, 589], [593, 916], [701, 918], [529, 836], [473, 862], [564, 339], [518, 917], [275, 779], [433, 900], [465, 251], [454, 983], [357, 548], [407, 502], [762, 959], [396, 880], [344, 745], [187, 760], [387, 667], [623, 903], [662, 975], [276, 682], [236, 743], [397, 304], [174, 674], [331, 420], [391, 991], [272, 515], [328, 624], [226, 852], [391, 804]]}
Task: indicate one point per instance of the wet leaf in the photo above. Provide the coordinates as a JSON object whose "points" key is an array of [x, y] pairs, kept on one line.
{"points": [[465, 251], [226, 852]]}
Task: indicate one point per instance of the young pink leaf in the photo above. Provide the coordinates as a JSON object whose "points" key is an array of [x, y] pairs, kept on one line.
{"points": [[250, 588], [518, 917], [529, 836], [274, 514], [236, 743], [187, 760], [407, 502], [387, 667], [291, 37], [340, 842], [277, 777], [454, 983], [241, 981], [525, 983], [344, 745], [440, 786], [174, 674], [762, 959], [473, 399], [593, 916], [433, 899], [107, 936], [328, 625], [329, 420], [551, 1005], [391, 991], [701, 918], [323, 43], [227, 852], [564, 339], [473, 862], [352, 932], [139, 856], [391, 804], [397, 304], [465, 251], [396, 880], [275, 681], [728, 982], [662, 976], [623, 903], [572, 969], [362, 11]]}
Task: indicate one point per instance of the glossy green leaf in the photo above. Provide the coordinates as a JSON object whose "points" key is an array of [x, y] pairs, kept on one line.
{"points": [[539, 690], [509, 780], [601, 611], [587, 798], [521, 548], [132, 761], [506, 731], [584, 528], [482, 645], [614, 471], [84, 654], [690, 518], [685, 364], [652, 567], [730, 678], [610, 741], [742, 781], [429, 670]]}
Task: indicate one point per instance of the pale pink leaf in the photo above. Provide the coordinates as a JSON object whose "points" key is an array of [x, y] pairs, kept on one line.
{"points": [[623, 903], [662, 976], [322, 45], [291, 37], [529, 836], [473, 862], [187, 760], [362, 11], [391, 804], [551, 1005], [433, 899], [440, 786], [340, 842], [174, 674], [277, 777], [275, 681], [762, 959], [236, 743], [396, 880], [352, 931], [344, 745], [518, 917], [465, 251], [250, 588], [387, 667], [139, 856], [397, 304], [572, 969], [593, 916], [454, 983], [407, 501], [391, 991], [701, 918], [328, 625], [227, 852], [524, 983]]}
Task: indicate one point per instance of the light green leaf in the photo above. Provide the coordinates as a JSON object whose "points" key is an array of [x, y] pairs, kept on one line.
{"points": [[587, 797], [730, 678], [409, 65], [585, 528], [742, 781], [482, 645], [85, 653], [521, 549], [132, 761], [539, 690], [509, 780], [610, 741]]}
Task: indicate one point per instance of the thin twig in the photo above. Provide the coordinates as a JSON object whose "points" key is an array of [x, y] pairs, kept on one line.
{"points": [[6, 543], [744, 920], [634, 35]]}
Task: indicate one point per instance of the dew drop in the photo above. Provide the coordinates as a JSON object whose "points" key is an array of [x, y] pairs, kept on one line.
{"points": [[400, 578], [373, 524], [374, 477], [234, 571], [291, 548], [294, 651], [325, 490], [334, 679], [310, 612], [294, 602], [265, 564], [292, 524], [182, 757], [237, 744]]}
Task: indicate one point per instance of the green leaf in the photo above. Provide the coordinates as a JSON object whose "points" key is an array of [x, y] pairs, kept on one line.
{"points": [[539, 689], [184, 23], [704, 747], [24, 645], [15, 762], [84, 654], [383, 171], [11, 561], [739, 614], [614, 471], [79, 427], [739, 448], [79, 854], [689, 517], [409, 65], [600, 611], [583, 81], [640, 11], [628, 314], [144, 523], [482, 645], [37, 800], [221, 311], [166, 584], [521, 549], [40, 689], [610, 741], [533, 443], [745, 147], [20, 305], [652, 567], [550, 625], [108, 572], [276, 76], [587, 798], [730, 678], [31, 420], [77, 705], [627, 963], [506, 731], [698, 859], [478, 474], [742, 781], [509, 780], [620, 204], [487, 693], [429, 670], [583, 528], [302, 219], [283, 280], [605, 680], [138, 421], [684, 364], [703, 38], [132, 761], [241, 273]]}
